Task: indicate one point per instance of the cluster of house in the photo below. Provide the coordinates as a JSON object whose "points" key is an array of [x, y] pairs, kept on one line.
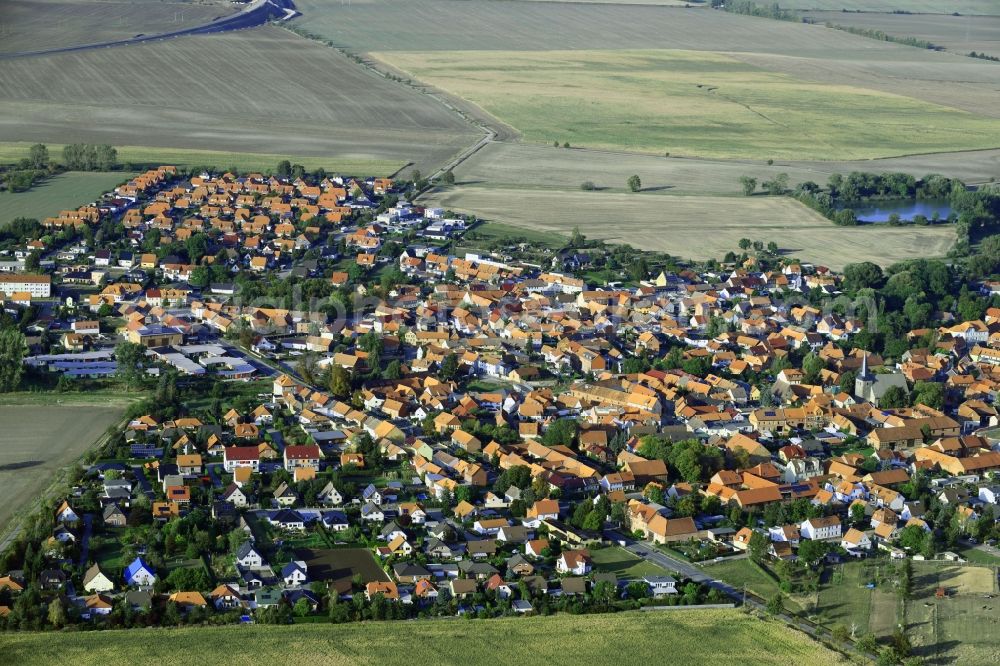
{"points": [[680, 356]]}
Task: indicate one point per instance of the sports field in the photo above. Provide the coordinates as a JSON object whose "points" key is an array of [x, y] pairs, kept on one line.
{"points": [[66, 190], [697, 227], [692, 103], [36, 441], [265, 90], [695, 638], [35, 25]]}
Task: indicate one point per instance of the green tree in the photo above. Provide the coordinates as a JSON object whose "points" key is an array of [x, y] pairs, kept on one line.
{"points": [[758, 546], [129, 357], [748, 184], [33, 262], [745, 244], [634, 183], [776, 604], [197, 247], [866, 643], [302, 607], [12, 348], [929, 393], [57, 613], [448, 177], [812, 365], [811, 551], [340, 382], [777, 185], [105, 157], [393, 371], [893, 398], [449, 367], [862, 275], [284, 169], [38, 155]]}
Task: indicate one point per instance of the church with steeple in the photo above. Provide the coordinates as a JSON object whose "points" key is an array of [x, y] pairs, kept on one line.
{"points": [[870, 387]]}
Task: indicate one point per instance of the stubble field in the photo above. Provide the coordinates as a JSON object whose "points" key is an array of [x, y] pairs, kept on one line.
{"points": [[35, 25], [696, 638], [36, 441], [537, 167], [697, 227], [258, 91]]}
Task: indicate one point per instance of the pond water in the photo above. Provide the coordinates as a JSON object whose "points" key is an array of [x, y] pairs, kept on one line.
{"points": [[907, 209]]}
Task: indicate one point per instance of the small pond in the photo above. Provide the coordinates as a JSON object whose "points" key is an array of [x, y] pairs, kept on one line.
{"points": [[907, 209]]}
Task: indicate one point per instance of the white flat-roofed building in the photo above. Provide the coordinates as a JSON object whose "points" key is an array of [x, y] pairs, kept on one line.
{"points": [[39, 286]]}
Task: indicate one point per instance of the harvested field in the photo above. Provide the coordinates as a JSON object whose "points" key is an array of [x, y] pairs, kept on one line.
{"points": [[36, 441], [958, 34], [66, 190], [342, 564], [260, 91], [515, 25], [692, 103], [544, 167], [35, 25], [697, 227], [695, 638]]}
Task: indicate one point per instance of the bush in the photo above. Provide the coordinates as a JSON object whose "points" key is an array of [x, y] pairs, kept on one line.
{"points": [[588, 186]]}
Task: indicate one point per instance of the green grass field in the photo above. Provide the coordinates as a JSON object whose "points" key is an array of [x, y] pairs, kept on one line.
{"points": [[624, 564], [11, 151], [745, 572], [693, 638], [692, 103], [497, 231], [65, 190]]}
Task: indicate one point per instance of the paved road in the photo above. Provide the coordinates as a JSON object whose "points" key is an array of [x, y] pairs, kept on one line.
{"points": [[88, 527]]}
